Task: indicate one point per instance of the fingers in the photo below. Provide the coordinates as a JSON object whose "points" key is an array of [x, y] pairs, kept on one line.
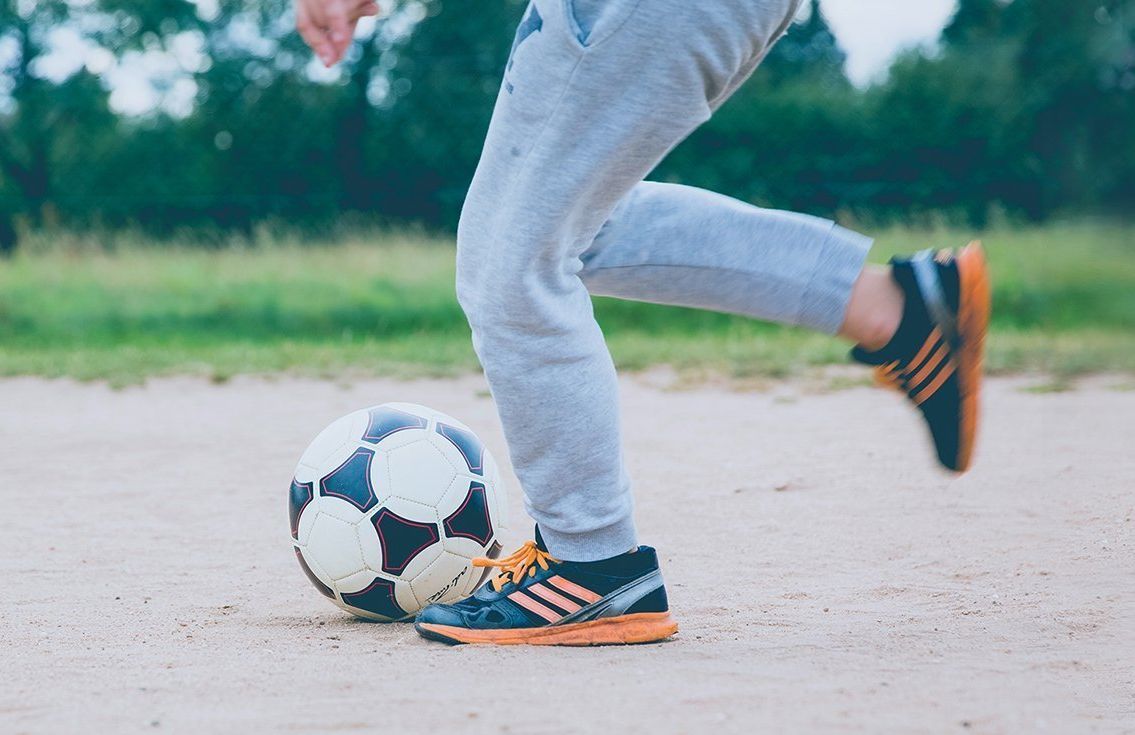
{"points": [[328, 26], [313, 33], [340, 28]]}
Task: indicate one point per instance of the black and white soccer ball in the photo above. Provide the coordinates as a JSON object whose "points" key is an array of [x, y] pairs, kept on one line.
{"points": [[389, 505]]}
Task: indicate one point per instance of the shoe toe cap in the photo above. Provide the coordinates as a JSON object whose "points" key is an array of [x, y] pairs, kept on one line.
{"points": [[438, 614]]}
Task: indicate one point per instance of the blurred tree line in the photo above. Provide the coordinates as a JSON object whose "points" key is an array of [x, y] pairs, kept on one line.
{"points": [[1026, 107]]}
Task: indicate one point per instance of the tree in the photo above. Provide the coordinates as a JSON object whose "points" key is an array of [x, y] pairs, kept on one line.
{"points": [[975, 21], [1066, 72], [1076, 65], [791, 136], [24, 133], [809, 50], [439, 94], [1026, 105], [44, 114]]}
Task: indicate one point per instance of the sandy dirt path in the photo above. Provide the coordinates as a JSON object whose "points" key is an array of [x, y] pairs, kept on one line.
{"points": [[825, 576]]}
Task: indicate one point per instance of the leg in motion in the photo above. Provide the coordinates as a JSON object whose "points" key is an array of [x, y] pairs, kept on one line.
{"points": [[585, 111], [920, 321]]}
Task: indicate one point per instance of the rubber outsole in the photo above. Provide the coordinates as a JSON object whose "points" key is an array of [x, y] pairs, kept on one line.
{"points": [[618, 630], [974, 308]]}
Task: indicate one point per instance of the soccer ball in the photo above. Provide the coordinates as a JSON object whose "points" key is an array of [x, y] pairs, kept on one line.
{"points": [[389, 505]]}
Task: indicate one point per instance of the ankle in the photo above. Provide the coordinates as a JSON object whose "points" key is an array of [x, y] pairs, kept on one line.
{"points": [[874, 311], [877, 329]]}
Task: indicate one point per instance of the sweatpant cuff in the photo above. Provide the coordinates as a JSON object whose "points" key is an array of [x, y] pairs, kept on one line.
{"points": [[602, 543], [837, 268]]}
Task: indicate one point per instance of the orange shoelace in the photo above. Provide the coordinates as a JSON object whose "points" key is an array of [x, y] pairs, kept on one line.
{"points": [[517, 565]]}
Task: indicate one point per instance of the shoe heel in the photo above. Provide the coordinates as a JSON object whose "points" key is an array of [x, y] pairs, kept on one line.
{"points": [[974, 309]]}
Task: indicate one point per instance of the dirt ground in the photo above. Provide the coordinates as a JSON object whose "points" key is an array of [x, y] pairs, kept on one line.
{"points": [[826, 577]]}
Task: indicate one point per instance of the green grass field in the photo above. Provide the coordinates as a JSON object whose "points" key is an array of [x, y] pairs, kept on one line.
{"points": [[382, 303]]}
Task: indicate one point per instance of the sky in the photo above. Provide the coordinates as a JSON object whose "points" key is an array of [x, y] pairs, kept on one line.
{"points": [[870, 31], [873, 31]]}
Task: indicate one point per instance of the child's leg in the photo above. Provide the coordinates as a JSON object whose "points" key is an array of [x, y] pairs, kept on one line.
{"points": [[576, 126], [689, 247], [679, 245]]}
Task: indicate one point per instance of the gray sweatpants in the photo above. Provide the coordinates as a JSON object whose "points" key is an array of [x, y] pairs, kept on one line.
{"points": [[596, 92]]}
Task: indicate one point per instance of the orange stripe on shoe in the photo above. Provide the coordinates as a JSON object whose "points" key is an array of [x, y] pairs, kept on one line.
{"points": [[554, 598], [932, 340], [574, 589], [928, 367], [532, 606], [946, 371]]}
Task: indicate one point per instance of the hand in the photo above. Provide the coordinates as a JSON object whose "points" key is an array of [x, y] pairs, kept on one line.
{"points": [[328, 26]]}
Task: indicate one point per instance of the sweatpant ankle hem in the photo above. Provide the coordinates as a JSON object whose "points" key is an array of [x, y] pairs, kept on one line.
{"points": [[838, 266], [602, 543]]}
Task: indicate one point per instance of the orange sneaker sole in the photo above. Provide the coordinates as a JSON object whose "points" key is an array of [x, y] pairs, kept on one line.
{"points": [[974, 308], [622, 629]]}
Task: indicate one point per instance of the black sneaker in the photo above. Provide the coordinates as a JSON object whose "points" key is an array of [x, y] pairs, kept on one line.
{"points": [[539, 600], [935, 356]]}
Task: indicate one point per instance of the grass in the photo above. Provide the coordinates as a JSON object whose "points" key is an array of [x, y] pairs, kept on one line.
{"points": [[383, 303]]}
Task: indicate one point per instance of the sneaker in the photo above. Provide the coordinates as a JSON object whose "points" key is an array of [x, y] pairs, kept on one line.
{"points": [[539, 600], [936, 354]]}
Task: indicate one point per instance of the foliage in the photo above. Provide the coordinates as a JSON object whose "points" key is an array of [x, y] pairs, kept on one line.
{"points": [[1025, 108]]}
